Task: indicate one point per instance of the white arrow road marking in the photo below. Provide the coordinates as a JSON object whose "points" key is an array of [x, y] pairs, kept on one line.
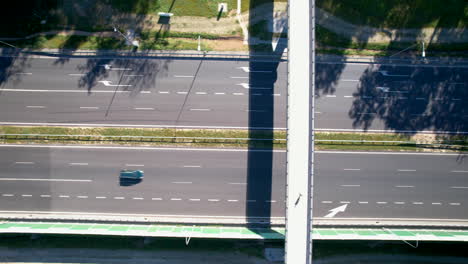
{"points": [[385, 73], [337, 210], [108, 83], [247, 69], [110, 68], [247, 86]]}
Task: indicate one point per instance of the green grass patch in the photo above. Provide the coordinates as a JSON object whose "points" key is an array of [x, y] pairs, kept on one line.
{"points": [[330, 42], [400, 13], [204, 8], [97, 43], [222, 138]]}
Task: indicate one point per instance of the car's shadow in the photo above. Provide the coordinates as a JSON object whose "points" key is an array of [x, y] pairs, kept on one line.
{"points": [[129, 182]]}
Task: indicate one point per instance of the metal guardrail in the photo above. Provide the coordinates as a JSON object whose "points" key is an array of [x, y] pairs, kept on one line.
{"points": [[175, 139]]}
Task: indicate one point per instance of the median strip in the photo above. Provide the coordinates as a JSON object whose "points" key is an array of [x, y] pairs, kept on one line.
{"points": [[228, 138]]}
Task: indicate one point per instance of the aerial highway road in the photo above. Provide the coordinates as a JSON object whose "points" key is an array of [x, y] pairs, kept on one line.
{"points": [[229, 182], [202, 93]]}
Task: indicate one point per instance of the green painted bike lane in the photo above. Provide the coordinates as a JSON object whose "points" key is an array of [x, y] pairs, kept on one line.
{"points": [[275, 233]]}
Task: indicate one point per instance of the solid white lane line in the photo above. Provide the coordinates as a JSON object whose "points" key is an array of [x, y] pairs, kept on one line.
{"points": [[8, 195], [238, 183], [232, 201], [182, 92], [404, 186], [137, 198], [64, 196], [345, 202], [156, 199], [51, 180], [76, 74], [24, 162], [330, 95], [350, 185], [418, 203], [183, 76], [61, 91], [182, 182], [238, 93], [363, 202], [101, 197], [200, 93], [399, 202], [436, 203], [35, 106], [239, 77], [78, 164], [192, 166], [327, 202], [143, 108], [459, 187], [381, 202], [457, 171], [199, 109], [220, 93], [82, 196], [454, 203], [213, 200], [258, 111], [406, 170], [45, 195], [119, 198], [163, 92], [352, 169], [176, 199], [26, 195], [89, 107], [194, 200], [134, 165], [146, 92]]}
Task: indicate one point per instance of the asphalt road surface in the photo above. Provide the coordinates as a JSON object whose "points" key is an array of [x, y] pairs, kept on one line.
{"points": [[208, 93], [221, 182]]}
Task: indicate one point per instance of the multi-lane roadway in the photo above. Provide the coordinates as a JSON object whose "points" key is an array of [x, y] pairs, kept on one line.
{"points": [[216, 182], [208, 93]]}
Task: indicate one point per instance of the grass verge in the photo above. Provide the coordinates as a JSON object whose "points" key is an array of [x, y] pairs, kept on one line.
{"points": [[225, 138]]}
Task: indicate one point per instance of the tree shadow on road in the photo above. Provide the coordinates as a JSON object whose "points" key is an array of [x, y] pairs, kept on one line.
{"points": [[412, 99]]}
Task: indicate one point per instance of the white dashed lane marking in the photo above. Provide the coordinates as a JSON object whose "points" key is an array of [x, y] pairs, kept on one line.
{"points": [[82, 197], [192, 166], [176, 199], [182, 182], [143, 108], [24, 162], [352, 169], [134, 165], [101, 197], [8, 195], [406, 170], [156, 199], [89, 107], [198, 109], [183, 76], [458, 171], [351, 185], [194, 200], [163, 92], [213, 200], [26, 195], [404, 186], [35, 106], [78, 164]]}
